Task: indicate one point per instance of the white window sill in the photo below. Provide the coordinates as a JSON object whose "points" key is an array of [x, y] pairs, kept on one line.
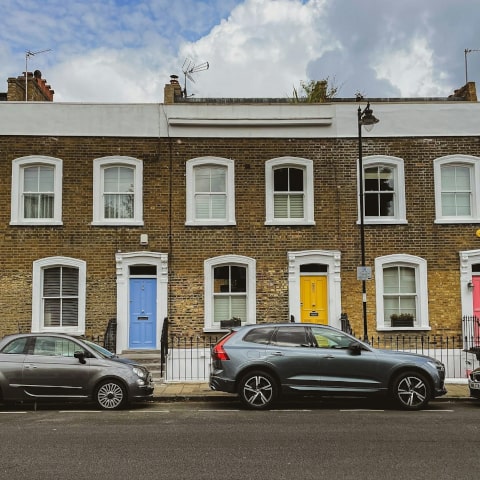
{"points": [[408, 329], [211, 223], [288, 223], [118, 223], [38, 223], [456, 220], [383, 221]]}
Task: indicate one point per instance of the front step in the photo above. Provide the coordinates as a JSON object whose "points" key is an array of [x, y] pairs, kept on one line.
{"points": [[150, 359]]}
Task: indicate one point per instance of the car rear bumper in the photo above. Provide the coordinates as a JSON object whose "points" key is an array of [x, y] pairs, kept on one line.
{"points": [[220, 384]]}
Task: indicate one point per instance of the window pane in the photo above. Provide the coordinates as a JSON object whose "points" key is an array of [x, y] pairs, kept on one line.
{"points": [[219, 206], [280, 180], [239, 279], [296, 206], [51, 317], [239, 307], [221, 279], [296, 180], [390, 280], [45, 182], [51, 282], [280, 206], [407, 280], [218, 179], [221, 308], [69, 281], [69, 312]]}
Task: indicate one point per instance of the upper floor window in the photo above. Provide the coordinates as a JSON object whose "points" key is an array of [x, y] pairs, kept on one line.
{"points": [[289, 191], [210, 191], [457, 180], [36, 191], [401, 285], [229, 290], [383, 190], [59, 295], [117, 191]]}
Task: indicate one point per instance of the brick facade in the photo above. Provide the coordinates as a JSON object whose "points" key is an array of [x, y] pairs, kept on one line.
{"points": [[164, 205]]}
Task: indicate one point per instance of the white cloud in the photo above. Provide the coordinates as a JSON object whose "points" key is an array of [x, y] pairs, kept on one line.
{"points": [[261, 50], [125, 50], [412, 70]]}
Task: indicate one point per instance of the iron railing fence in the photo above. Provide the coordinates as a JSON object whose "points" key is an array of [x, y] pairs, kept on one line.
{"points": [[188, 358]]}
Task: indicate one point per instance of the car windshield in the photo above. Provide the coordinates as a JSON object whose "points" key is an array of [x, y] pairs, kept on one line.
{"points": [[102, 351]]}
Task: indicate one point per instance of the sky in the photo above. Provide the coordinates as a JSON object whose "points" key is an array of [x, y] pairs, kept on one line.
{"points": [[125, 50]]}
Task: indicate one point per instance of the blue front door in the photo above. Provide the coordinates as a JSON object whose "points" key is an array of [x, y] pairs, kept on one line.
{"points": [[143, 313]]}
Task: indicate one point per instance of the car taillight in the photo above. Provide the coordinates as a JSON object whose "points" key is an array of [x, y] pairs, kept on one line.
{"points": [[218, 352]]}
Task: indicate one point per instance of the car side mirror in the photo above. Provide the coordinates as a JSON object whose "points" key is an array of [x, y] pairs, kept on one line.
{"points": [[81, 356], [355, 348]]}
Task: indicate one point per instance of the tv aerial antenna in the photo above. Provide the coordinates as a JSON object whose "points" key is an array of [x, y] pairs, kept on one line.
{"points": [[29, 54], [189, 68], [468, 50]]}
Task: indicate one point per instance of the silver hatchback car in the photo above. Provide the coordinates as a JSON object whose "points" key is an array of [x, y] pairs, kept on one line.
{"points": [[36, 367], [261, 362]]}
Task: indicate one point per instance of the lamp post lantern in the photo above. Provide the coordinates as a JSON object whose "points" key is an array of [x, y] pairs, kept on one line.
{"points": [[367, 120]]}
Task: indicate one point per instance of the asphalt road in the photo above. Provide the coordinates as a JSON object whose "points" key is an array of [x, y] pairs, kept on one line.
{"points": [[216, 440]]}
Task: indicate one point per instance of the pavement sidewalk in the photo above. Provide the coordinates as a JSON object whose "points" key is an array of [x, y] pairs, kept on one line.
{"points": [[184, 391]]}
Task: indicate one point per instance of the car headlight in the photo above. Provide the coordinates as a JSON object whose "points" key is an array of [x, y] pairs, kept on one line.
{"points": [[140, 372]]}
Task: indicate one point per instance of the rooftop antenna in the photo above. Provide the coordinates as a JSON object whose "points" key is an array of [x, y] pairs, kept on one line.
{"points": [[29, 54], [468, 50], [189, 68]]}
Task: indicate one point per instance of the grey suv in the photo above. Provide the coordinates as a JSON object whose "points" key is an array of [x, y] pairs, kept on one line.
{"points": [[36, 367], [261, 362]]}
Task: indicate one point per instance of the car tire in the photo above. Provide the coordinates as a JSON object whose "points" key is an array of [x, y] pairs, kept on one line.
{"points": [[258, 390], [111, 395], [411, 391]]}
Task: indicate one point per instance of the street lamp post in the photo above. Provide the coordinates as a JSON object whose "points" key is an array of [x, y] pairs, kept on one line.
{"points": [[366, 119]]}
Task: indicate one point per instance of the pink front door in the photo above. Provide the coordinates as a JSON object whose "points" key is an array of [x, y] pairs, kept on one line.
{"points": [[476, 310]]}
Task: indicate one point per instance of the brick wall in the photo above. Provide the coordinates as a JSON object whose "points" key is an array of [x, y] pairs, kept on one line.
{"points": [[188, 247]]}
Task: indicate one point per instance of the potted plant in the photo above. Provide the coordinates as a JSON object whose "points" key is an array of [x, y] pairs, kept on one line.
{"points": [[402, 320]]}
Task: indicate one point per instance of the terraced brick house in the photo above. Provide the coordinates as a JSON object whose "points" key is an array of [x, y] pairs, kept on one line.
{"points": [[202, 211]]}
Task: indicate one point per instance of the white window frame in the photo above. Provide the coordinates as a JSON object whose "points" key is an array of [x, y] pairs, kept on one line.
{"points": [[209, 265], [193, 163], [308, 206], [396, 164], [420, 266], [463, 161], [99, 165], [37, 287], [18, 166]]}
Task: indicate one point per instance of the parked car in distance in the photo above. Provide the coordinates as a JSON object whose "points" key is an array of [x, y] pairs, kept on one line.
{"points": [[49, 366], [474, 383], [264, 361]]}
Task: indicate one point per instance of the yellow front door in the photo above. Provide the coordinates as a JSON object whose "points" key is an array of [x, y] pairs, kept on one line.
{"points": [[313, 299]]}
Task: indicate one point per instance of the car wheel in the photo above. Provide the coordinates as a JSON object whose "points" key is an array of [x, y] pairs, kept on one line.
{"points": [[110, 395], [258, 390], [411, 391]]}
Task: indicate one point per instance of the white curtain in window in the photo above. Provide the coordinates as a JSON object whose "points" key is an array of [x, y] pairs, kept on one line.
{"points": [[456, 191], [210, 192], [118, 193], [38, 192]]}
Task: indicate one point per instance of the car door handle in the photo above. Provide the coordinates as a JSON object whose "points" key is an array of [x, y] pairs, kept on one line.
{"points": [[329, 357], [278, 354], [30, 365]]}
